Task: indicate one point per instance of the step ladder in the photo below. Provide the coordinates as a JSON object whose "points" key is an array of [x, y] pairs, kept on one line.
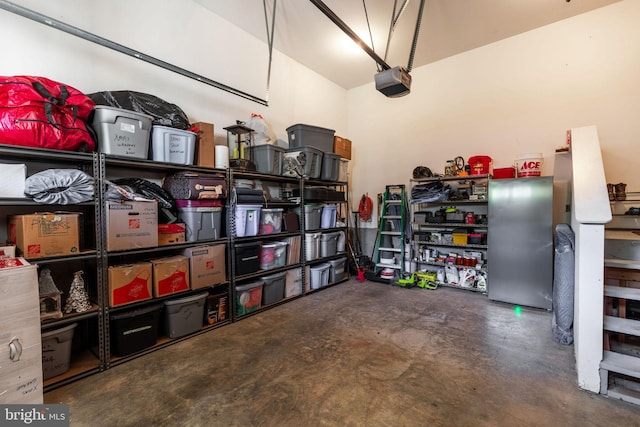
{"points": [[390, 244], [622, 359]]}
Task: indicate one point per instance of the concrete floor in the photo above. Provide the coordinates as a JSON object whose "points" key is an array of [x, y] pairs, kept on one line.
{"points": [[355, 354]]}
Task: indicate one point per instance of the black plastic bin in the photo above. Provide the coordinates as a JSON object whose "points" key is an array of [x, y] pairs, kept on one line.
{"points": [[134, 330]]}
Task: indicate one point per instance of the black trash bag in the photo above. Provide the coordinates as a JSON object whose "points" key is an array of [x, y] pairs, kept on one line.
{"points": [[167, 209], [163, 112]]}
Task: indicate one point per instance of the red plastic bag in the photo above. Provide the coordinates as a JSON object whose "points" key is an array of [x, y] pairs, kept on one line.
{"points": [[42, 113]]}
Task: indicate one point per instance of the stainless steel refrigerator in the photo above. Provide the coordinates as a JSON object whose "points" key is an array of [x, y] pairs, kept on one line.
{"points": [[520, 240]]}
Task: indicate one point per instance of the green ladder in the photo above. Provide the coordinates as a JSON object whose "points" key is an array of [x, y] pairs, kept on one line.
{"points": [[391, 235]]}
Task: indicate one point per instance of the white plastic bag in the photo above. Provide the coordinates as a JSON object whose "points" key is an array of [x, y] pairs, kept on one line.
{"points": [[262, 132]]}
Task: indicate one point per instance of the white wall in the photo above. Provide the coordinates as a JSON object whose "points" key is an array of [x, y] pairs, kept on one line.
{"points": [[179, 32], [515, 96]]}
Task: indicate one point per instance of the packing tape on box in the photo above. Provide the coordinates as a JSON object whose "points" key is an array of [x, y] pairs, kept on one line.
{"points": [[222, 157]]}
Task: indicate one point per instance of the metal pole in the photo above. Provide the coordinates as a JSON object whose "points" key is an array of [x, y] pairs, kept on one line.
{"points": [[59, 25]]}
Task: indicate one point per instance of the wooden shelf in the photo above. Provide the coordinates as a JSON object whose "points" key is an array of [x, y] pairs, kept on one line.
{"points": [[82, 363]]}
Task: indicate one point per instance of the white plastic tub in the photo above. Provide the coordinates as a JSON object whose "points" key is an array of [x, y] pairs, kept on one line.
{"points": [[172, 145], [247, 219], [319, 275], [312, 246], [328, 219]]}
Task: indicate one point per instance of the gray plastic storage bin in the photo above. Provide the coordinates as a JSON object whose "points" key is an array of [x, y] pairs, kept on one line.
{"points": [[336, 271], [302, 161], [56, 351], [313, 136], [312, 216], [329, 243], [183, 316], [273, 288], [330, 167], [202, 220], [267, 158], [122, 132]]}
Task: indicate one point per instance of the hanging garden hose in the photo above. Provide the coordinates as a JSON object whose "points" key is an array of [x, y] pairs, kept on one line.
{"points": [[365, 208]]}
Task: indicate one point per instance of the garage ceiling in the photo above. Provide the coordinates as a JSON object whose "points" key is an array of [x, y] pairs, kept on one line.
{"points": [[449, 27]]}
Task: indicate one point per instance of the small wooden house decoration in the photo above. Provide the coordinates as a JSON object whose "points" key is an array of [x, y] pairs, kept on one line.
{"points": [[50, 300]]}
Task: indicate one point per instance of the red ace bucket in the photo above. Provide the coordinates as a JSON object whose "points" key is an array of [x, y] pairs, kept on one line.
{"points": [[528, 164]]}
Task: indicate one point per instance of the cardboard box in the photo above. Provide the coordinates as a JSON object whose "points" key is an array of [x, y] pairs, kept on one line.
{"points": [[342, 146], [170, 275], [129, 283], [205, 145], [132, 225], [207, 265], [12, 180], [47, 234], [215, 309], [170, 234]]}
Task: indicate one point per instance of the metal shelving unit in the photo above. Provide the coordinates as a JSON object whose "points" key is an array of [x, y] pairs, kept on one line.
{"points": [[433, 245], [154, 171], [89, 333], [281, 185], [92, 340], [342, 215]]}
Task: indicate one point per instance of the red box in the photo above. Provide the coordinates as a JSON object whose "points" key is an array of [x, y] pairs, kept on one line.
{"points": [[170, 234], [503, 173]]}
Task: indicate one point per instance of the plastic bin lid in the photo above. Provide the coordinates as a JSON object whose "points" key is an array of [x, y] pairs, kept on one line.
{"points": [[248, 286], [273, 276], [244, 207], [266, 147], [328, 236], [304, 148], [335, 156], [187, 300], [248, 244], [269, 245], [183, 203], [336, 262], [308, 127], [122, 111], [268, 210], [137, 312], [172, 129], [322, 266], [55, 332]]}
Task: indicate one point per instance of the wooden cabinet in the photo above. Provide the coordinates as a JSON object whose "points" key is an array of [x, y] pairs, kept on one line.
{"points": [[20, 346]]}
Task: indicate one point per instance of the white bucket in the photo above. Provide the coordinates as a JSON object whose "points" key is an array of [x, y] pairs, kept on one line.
{"points": [[528, 164]]}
